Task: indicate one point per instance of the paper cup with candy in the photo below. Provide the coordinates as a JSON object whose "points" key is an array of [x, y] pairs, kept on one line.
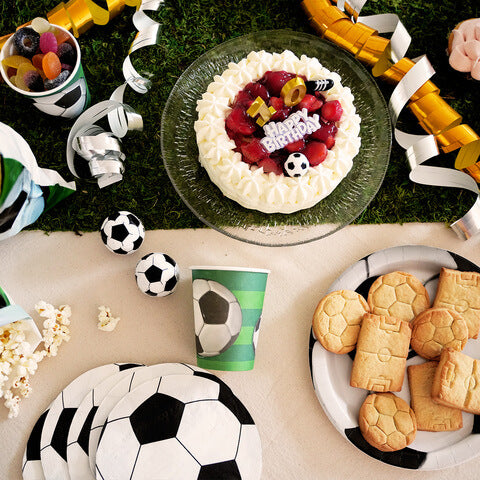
{"points": [[227, 309], [46, 67]]}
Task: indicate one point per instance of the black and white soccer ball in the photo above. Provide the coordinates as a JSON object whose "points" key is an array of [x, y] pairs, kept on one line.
{"points": [[122, 233], [296, 165], [68, 103], [157, 274], [218, 317], [179, 427]]}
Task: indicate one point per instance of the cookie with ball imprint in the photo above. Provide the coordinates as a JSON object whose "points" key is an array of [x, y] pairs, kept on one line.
{"points": [[337, 319], [398, 294], [438, 328], [387, 422]]}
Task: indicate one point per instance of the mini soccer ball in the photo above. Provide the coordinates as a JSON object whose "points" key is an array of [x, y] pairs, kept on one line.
{"points": [[296, 164], [218, 317], [157, 274], [122, 233]]}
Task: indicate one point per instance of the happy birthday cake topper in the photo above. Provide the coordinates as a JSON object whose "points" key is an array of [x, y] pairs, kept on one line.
{"points": [[294, 128]]}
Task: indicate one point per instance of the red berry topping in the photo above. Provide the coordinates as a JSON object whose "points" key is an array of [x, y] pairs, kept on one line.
{"points": [[326, 130], [239, 122], [330, 142], [243, 99], [274, 81], [316, 152], [254, 151], [282, 110], [257, 90], [297, 146], [270, 165], [310, 102], [332, 111]]}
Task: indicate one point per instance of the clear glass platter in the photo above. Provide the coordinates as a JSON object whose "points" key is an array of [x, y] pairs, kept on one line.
{"points": [[204, 198]]}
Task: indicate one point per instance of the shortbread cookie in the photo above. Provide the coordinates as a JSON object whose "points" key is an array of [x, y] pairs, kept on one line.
{"points": [[337, 319], [430, 416], [387, 422], [381, 356], [398, 294], [460, 291], [437, 328], [457, 381]]}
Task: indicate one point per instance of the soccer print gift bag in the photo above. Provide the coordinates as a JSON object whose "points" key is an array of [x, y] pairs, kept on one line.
{"points": [[26, 190]]}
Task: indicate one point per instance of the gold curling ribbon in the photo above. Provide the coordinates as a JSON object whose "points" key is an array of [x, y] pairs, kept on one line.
{"points": [[433, 113]]}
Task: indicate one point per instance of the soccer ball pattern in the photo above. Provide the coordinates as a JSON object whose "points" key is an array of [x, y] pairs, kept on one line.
{"points": [[179, 427], [218, 317], [387, 422], [69, 103], [398, 295], [122, 233], [337, 320], [296, 165], [157, 274], [438, 328]]}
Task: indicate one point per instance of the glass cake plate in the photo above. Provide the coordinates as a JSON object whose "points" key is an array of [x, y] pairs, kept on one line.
{"points": [[204, 198]]}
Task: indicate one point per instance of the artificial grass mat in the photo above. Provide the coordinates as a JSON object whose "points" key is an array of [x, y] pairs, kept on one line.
{"points": [[189, 28]]}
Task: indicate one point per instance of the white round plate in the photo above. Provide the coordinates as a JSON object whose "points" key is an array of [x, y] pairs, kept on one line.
{"points": [[331, 372], [53, 441], [179, 427], [133, 380], [78, 434]]}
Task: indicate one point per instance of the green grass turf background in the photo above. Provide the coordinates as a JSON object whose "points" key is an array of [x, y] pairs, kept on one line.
{"points": [[191, 27]]}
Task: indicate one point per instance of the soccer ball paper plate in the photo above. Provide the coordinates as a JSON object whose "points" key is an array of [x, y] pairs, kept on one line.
{"points": [[128, 421], [331, 372]]}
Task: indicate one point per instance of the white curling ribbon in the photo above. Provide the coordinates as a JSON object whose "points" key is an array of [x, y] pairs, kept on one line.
{"points": [[420, 148]]}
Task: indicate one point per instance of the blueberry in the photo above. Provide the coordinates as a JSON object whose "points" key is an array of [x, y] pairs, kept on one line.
{"points": [[33, 81], [67, 54], [26, 41], [50, 84]]}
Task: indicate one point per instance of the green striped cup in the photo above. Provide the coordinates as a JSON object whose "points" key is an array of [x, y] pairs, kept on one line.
{"points": [[227, 309]]}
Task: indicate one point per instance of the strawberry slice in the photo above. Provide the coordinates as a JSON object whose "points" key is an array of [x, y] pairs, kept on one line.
{"points": [[330, 142], [316, 152], [243, 99], [239, 122], [310, 102], [270, 165], [326, 130], [256, 89], [282, 110], [253, 152], [274, 81], [332, 111], [297, 146]]}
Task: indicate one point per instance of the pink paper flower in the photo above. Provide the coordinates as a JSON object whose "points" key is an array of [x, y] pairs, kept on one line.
{"points": [[464, 47]]}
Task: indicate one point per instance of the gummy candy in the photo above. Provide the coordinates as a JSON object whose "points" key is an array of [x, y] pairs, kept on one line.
{"points": [[14, 61], [66, 66], [51, 65], [41, 25], [33, 81], [48, 42], [67, 54], [22, 70], [61, 36], [26, 41], [37, 60], [50, 84]]}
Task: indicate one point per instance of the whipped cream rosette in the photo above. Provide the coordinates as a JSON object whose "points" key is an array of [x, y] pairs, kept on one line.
{"points": [[250, 184]]}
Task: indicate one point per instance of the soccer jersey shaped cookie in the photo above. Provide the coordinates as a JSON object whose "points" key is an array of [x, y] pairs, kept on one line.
{"points": [[381, 356]]}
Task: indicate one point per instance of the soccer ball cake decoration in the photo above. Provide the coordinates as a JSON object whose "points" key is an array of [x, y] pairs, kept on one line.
{"points": [[122, 233], [157, 274]]}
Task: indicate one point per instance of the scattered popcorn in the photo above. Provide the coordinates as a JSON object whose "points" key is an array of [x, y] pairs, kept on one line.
{"points": [[18, 362], [106, 322]]}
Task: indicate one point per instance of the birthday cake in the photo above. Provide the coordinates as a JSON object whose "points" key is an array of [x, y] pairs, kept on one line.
{"points": [[277, 133]]}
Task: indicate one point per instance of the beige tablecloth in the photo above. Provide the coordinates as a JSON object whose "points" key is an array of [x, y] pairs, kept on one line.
{"points": [[298, 440]]}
